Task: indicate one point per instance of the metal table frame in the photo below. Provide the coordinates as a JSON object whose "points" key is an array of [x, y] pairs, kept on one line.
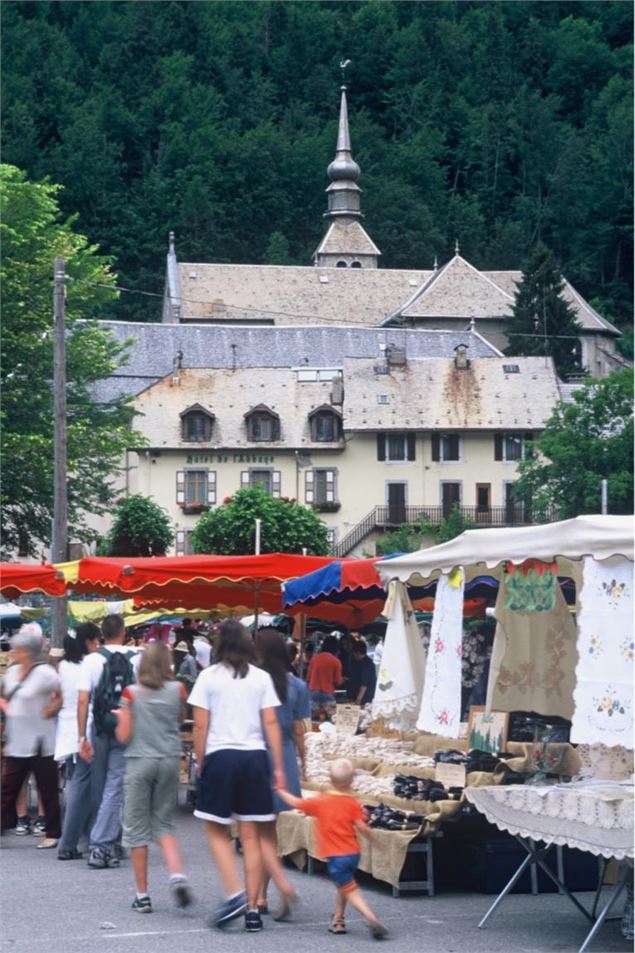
{"points": [[536, 857]]}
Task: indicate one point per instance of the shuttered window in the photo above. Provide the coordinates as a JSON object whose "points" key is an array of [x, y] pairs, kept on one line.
{"points": [[184, 542], [196, 487], [268, 480], [396, 447]]}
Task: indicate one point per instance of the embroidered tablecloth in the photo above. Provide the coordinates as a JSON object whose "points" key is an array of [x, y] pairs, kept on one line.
{"points": [[596, 817]]}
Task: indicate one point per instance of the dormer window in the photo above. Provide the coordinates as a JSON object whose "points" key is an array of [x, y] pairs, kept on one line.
{"points": [[326, 425], [196, 424], [263, 425]]}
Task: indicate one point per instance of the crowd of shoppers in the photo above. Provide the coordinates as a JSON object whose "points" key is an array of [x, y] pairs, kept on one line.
{"points": [[108, 721]]}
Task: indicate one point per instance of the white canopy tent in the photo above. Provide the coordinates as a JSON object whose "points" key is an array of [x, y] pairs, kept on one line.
{"points": [[540, 660], [601, 537]]}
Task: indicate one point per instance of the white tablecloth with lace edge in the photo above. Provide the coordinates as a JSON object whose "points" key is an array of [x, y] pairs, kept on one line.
{"points": [[594, 816]]}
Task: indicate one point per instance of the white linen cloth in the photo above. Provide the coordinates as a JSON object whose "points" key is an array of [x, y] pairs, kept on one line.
{"points": [[533, 659], [400, 679], [440, 711], [603, 694], [591, 816]]}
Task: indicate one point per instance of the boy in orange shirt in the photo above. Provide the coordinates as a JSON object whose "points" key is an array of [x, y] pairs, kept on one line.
{"points": [[339, 818]]}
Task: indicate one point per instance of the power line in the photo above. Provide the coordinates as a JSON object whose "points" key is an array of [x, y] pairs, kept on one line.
{"points": [[317, 319]]}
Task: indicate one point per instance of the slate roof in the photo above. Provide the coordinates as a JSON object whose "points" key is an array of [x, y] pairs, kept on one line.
{"points": [[285, 294], [229, 396], [433, 394], [154, 347], [347, 238]]}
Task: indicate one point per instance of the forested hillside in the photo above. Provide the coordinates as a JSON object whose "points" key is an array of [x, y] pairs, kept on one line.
{"points": [[499, 123]]}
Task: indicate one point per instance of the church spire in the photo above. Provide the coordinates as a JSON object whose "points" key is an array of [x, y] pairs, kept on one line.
{"points": [[343, 192], [346, 244]]}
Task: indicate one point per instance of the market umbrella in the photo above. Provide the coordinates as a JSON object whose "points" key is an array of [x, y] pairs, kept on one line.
{"points": [[16, 578], [233, 582], [351, 591]]}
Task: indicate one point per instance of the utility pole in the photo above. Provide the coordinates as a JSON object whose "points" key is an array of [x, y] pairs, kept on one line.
{"points": [[605, 496], [59, 543]]}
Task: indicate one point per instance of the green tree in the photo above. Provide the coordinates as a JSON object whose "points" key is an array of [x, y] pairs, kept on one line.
{"points": [[583, 443], [98, 431], [286, 526], [140, 528], [407, 539], [277, 250], [542, 321]]}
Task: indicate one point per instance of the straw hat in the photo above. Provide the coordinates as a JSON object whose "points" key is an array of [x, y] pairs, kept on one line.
{"points": [[181, 647]]}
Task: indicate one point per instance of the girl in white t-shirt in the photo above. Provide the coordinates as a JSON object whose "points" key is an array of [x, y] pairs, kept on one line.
{"points": [[234, 711]]}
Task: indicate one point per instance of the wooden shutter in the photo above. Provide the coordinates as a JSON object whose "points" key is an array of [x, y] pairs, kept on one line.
{"points": [[436, 447], [275, 483], [410, 446], [244, 479], [211, 487], [528, 445], [381, 446], [454, 446], [498, 446], [330, 486], [180, 486], [309, 494], [275, 428], [180, 542]]}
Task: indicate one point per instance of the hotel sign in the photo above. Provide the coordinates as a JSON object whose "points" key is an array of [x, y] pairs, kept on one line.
{"points": [[229, 458]]}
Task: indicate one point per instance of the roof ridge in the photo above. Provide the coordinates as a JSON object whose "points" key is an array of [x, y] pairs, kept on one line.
{"points": [[427, 284], [590, 309]]}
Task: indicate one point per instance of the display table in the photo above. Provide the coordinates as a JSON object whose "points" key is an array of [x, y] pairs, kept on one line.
{"points": [[385, 861], [592, 816]]}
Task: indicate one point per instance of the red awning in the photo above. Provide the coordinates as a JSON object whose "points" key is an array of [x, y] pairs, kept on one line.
{"points": [[17, 578]]}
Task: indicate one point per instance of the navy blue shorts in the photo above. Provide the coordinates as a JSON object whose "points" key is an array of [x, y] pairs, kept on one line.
{"points": [[342, 870], [235, 785]]}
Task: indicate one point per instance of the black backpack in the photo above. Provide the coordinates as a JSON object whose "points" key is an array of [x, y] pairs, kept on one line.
{"points": [[117, 673]]}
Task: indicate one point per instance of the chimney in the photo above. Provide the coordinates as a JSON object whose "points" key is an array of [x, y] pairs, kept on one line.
{"points": [[177, 364], [396, 356], [337, 390]]}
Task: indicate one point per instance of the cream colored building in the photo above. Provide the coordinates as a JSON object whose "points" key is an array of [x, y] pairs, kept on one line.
{"points": [[371, 444]]}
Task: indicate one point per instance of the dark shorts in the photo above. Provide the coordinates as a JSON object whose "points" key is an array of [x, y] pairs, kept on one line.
{"points": [[235, 785], [342, 870]]}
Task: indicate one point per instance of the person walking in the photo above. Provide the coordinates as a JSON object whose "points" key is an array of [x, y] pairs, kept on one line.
{"points": [[78, 805], [203, 650], [234, 712], [324, 676], [294, 707], [339, 819], [363, 678], [148, 723], [184, 664], [30, 700], [104, 675]]}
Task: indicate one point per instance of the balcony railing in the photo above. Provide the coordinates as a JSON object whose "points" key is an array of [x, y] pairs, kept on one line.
{"points": [[390, 517]]}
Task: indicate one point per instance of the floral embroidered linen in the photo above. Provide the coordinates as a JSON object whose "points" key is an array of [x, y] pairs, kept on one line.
{"points": [[400, 678], [533, 658], [441, 702], [593, 816], [604, 690], [531, 587]]}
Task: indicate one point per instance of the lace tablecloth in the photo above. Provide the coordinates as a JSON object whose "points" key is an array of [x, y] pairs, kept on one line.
{"points": [[593, 816]]}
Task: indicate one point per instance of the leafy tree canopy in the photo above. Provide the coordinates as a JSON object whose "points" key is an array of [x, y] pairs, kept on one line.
{"points": [[98, 432], [502, 124], [140, 528], [582, 444], [542, 321], [286, 527]]}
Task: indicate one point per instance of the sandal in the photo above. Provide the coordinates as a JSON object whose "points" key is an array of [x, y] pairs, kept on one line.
{"points": [[337, 925]]}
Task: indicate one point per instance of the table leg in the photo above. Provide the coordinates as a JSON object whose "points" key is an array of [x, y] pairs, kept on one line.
{"points": [[537, 857], [505, 891], [607, 909]]}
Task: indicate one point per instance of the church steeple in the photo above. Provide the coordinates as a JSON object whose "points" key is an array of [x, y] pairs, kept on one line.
{"points": [[346, 244], [343, 192]]}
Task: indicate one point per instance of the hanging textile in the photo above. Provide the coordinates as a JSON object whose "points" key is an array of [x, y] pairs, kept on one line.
{"points": [[400, 678], [604, 690], [531, 586], [534, 653], [440, 710]]}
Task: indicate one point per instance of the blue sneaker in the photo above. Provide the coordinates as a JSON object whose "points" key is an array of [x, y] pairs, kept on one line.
{"points": [[229, 910], [253, 921]]}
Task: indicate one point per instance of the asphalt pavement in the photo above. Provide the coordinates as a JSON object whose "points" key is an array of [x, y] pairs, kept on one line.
{"points": [[49, 906]]}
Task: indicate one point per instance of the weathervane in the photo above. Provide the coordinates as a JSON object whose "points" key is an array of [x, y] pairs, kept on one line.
{"points": [[343, 65]]}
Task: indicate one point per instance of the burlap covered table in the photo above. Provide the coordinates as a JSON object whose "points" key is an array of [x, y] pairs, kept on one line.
{"points": [[383, 861]]}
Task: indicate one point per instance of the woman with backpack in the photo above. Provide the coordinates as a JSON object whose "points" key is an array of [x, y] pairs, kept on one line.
{"points": [[149, 720]]}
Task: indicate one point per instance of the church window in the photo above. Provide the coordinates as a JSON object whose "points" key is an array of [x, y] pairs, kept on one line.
{"points": [[341, 264], [356, 264]]}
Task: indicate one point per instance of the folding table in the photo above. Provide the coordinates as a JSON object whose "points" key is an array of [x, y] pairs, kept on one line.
{"points": [[593, 816]]}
